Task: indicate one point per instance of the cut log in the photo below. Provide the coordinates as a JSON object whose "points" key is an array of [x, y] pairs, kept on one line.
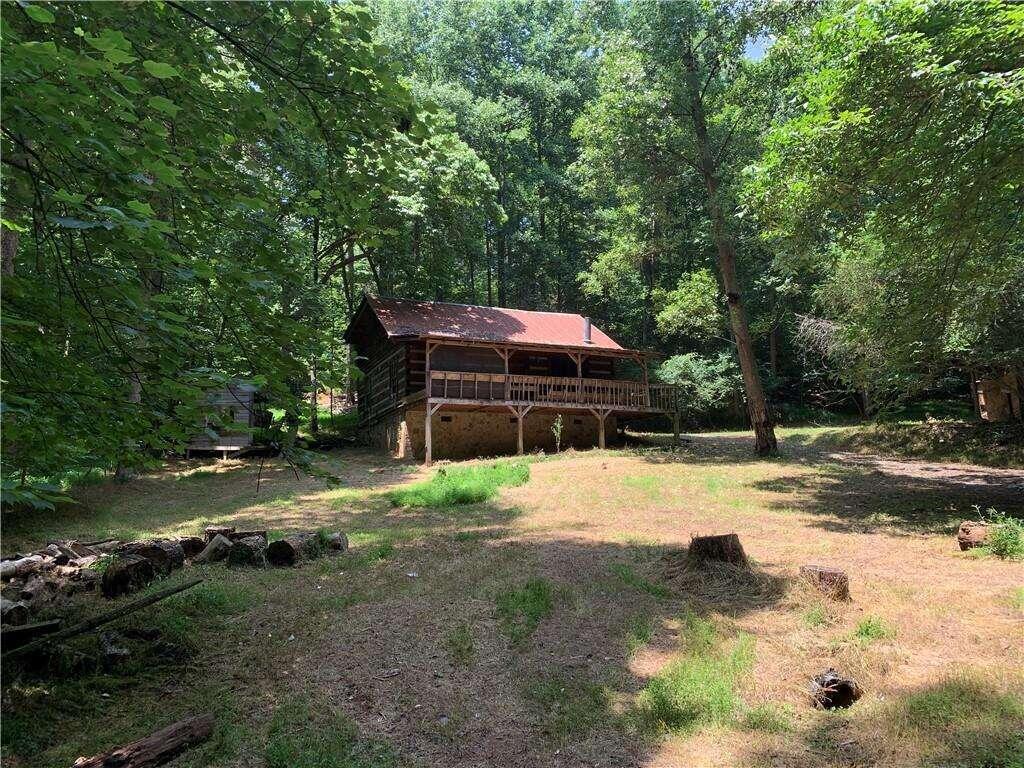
{"points": [[972, 533], [13, 612], [337, 542], [248, 551], [724, 548], [78, 549], [210, 532], [216, 550], [105, 618], [236, 535], [157, 748], [165, 554], [192, 545], [15, 637], [23, 566], [830, 690], [104, 547], [126, 573], [37, 588], [831, 582], [295, 548]]}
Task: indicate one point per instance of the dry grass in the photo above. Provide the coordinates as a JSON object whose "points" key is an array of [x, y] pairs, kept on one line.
{"points": [[423, 664]]}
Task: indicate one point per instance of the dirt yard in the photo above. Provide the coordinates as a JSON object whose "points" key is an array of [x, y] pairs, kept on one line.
{"points": [[534, 630]]}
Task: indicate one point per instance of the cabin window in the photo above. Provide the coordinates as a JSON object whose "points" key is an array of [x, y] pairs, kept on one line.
{"points": [[446, 418], [577, 421]]}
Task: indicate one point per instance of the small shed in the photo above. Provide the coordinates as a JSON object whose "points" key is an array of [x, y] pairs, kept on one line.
{"points": [[241, 410]]}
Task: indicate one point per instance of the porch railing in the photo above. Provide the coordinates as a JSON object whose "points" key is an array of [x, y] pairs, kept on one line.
{"points": [[553, 390]]}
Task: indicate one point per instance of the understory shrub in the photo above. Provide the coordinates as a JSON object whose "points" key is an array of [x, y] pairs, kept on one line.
{"points": [[462, 485], [1006, 539]]}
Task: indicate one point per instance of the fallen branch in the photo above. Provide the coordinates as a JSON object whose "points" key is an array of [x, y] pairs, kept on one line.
{"points": [[103, 618], [157, 748]]}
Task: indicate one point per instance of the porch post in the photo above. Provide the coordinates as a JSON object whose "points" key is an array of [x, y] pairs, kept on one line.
{"points": [[431, 409], [600, 414], [520, 411], [675, 427]]}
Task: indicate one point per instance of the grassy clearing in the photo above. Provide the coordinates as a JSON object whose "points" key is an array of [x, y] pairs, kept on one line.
{"points": [[943, 439], [871, 628], [303, 736], [639, 632], [451, 486], [700, 687], [521, 609], [769, 718]]}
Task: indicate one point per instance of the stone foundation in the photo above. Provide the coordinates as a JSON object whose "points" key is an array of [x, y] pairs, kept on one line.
{"points": [[470, 434]]}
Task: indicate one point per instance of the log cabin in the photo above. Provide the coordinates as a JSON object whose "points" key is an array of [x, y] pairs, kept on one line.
{"points": [[443, 380]]}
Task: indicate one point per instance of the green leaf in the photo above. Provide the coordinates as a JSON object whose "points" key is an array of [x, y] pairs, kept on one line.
{"points": [[38, 13], [117, 56], [63, 196], [143, 209], [109, 40], [160, 70], [164, 105]]}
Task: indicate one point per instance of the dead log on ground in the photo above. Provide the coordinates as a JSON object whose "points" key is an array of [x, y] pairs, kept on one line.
{"points": [[295, 548], [157, 748], [248, 551], [165, 554], [105, 618], [723, 548], [104, 547], [216, 550], [22, 566], [15, 637], [831, 582], [829, 690], [211, 532], [13, 612], [972, 533], [126, 573]]}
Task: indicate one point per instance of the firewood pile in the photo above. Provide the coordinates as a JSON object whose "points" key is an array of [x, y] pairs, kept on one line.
{"points": [[44, 578]]}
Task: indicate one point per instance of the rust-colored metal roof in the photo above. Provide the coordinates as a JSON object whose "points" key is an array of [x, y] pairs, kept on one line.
{"points": [[469, 322]]}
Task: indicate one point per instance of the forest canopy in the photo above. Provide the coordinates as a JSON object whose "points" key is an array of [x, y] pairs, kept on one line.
{"points": [[818, 202]]}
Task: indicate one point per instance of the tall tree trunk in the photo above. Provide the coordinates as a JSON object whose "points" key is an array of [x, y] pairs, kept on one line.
{"points": [[760, 417], [490, 282], [8, 250], [773, 349], [314, 422]]}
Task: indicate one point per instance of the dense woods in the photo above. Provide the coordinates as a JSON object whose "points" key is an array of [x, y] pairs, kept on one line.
{"points": [[800, 206]]}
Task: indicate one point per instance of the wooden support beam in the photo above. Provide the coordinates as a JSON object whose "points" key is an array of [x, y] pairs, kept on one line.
{"points": [[519, 411], [428, 442], [675, 427], [600, 414]]}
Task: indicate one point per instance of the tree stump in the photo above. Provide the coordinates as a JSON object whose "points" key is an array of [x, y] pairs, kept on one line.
{"points": [[294, 548], [165, 554], [192, 545], [247, 551], [127, 573], [831, 691], [972, 533], [831, 582], [724, 548], [157, 748], [216, 550], [212, 531]]}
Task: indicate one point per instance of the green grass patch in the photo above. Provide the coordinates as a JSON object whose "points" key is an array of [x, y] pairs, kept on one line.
{"points": [[459, 642], [648, 485], [521, 609], [769, 718], [699, 688], [816, 616], [1017, 598], [570, 707], [300, 736], [452, 486], [871, 628], [639, 632], [631, 578], [1005, 536], [962, 721]]}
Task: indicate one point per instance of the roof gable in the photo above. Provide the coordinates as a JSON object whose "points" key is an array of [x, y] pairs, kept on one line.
{"points": [[469, 322]]}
